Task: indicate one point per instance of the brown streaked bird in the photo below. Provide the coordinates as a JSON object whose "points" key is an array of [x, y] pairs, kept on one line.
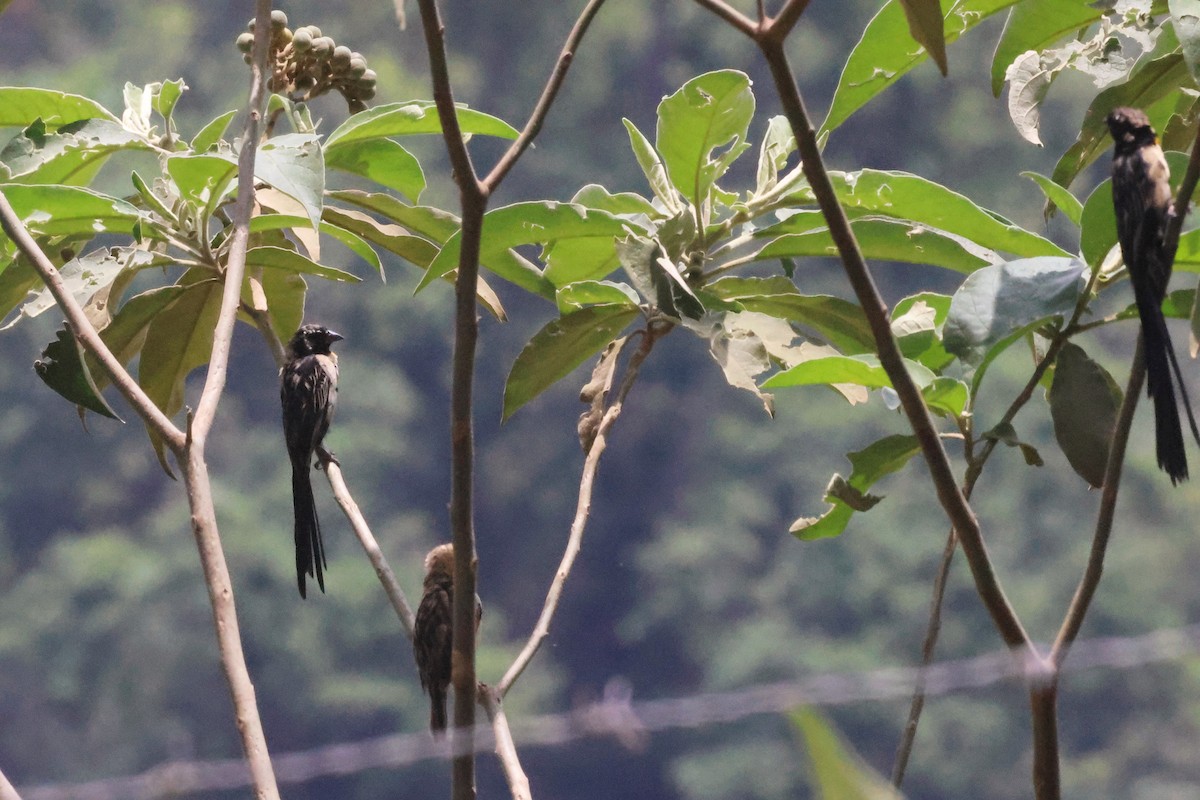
{"points": [[432, 631], [308, 391], [1142, 201]]}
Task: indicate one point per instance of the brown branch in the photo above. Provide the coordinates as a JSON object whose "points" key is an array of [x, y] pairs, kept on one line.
{"points": [[85, 332], [731, 15], [235, 263], [195, 470], [363, 531], [473, 199], [917, 705], [1090, 579], [557, 76], [506, 748], [7, 792], [575, 540], [787, 18], [962, 517]]}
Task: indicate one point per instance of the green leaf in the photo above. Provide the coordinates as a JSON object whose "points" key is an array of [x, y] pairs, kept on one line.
{"points": [[997, 305], [870, 465], [906, 196], [838, 773], [432, 223], [534, 222], [73, 155], [777, 145], [652, 167], [179, 340], [285, 292], [61, 367], [21, 107], [393, 238], [126, 331], [1057, 195], [710, 111], [592, 293], [167, 96], [1035, 25], [561, 346], [1098, 224], [861, 370], [838, 321], [885, 53], [292, 163], [410, 118], [1084, 401], [742, 344], [83, 277], [886, 240], [353, 242], [947, 397], [212, 133], [569, 261], [1157, 80], [203, 179], [290, 260], [623, 203], [68, 211], [382, 161], [16, 282], [925, 27], [1185, 18], [916, 323]]}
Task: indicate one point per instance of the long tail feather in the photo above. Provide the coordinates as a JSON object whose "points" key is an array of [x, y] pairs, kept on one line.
{"points": [[310, 551]]}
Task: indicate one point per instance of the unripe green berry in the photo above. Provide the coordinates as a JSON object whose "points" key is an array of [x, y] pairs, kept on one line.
{"points": [[323, 46], [341, 56], [366, 92], [357, 68], [279, 20], [302, 40], [245, 42], [315, 31]]}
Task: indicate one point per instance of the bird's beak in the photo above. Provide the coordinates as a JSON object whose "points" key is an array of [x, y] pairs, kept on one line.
{"points": [[334, 336]]}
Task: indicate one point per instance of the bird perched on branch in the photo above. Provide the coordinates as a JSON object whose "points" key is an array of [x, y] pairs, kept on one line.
{"points": [[432, 631], [1142, 199], [308, 392]]}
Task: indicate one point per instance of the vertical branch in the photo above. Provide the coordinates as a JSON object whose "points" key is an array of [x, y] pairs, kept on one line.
{"points": [[235, 264], [473, 199], [195, 470]]}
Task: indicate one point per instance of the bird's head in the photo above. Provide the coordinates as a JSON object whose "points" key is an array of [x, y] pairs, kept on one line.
{"points": [[312, 339], [439, 563], [1130, 127]]}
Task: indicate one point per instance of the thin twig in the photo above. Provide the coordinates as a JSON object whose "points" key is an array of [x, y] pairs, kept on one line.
{"points": [[557, 76], [787, 18], [506, 748], [382, 570], [85, 332], [928, 648], [1090, 579], [575, 540], [7, 792], [731, 15]]}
